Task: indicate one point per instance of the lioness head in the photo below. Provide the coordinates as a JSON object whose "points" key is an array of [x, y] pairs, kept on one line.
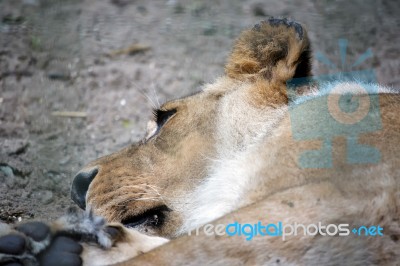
{"points": [[151, 184]]}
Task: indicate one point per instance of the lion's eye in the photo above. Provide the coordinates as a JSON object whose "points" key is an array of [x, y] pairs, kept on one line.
{"points": [[154, 217], [162, 116]]}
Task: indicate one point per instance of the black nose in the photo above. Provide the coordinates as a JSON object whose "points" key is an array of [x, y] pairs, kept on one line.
{"points": [[80, 186]]}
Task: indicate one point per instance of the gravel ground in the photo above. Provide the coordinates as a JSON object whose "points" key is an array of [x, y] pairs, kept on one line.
{"points": [[110, 62]]}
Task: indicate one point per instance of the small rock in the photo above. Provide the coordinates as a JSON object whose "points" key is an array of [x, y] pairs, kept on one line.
{"points": [[64, 160], [45, 197], [9, 177], [7, 171]]}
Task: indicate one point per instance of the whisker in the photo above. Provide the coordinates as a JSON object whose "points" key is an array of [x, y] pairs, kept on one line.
{"points": [[155, 94], [153, 104], [147, 97]]}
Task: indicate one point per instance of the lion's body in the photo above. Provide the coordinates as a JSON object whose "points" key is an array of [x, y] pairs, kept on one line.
{"points": [[229, 154], [229, 151], [267, 177]]}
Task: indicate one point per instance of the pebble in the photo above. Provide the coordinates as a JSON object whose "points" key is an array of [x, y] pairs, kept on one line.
{"points": [[45, 196], [9, 176], [7, 171], [64, 160]]}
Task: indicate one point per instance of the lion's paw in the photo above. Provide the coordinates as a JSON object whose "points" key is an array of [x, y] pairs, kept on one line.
{"points": [[58, 243], [34, 244], [78, 238]]}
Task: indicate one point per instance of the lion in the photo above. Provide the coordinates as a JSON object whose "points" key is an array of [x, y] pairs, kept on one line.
{"points": [[228, 155]]}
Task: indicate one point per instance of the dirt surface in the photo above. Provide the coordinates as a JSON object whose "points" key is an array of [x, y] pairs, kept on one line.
{"points": [[110, 62]]}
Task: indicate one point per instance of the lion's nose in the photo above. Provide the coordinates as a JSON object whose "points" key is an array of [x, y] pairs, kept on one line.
{"points": [[80, 186]]}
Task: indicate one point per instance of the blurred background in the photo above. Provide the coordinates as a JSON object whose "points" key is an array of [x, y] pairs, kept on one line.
{"points": [[78, 79]]}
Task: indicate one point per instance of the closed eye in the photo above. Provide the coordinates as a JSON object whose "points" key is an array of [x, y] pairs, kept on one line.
{"points": [[154, 217], [162, 116]]}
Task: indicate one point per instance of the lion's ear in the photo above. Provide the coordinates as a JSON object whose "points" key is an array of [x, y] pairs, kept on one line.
{"points": [[275, 50]]}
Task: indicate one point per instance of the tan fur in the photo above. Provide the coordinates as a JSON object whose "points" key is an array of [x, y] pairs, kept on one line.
{"points": [[133, 244], [243, 117]]}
